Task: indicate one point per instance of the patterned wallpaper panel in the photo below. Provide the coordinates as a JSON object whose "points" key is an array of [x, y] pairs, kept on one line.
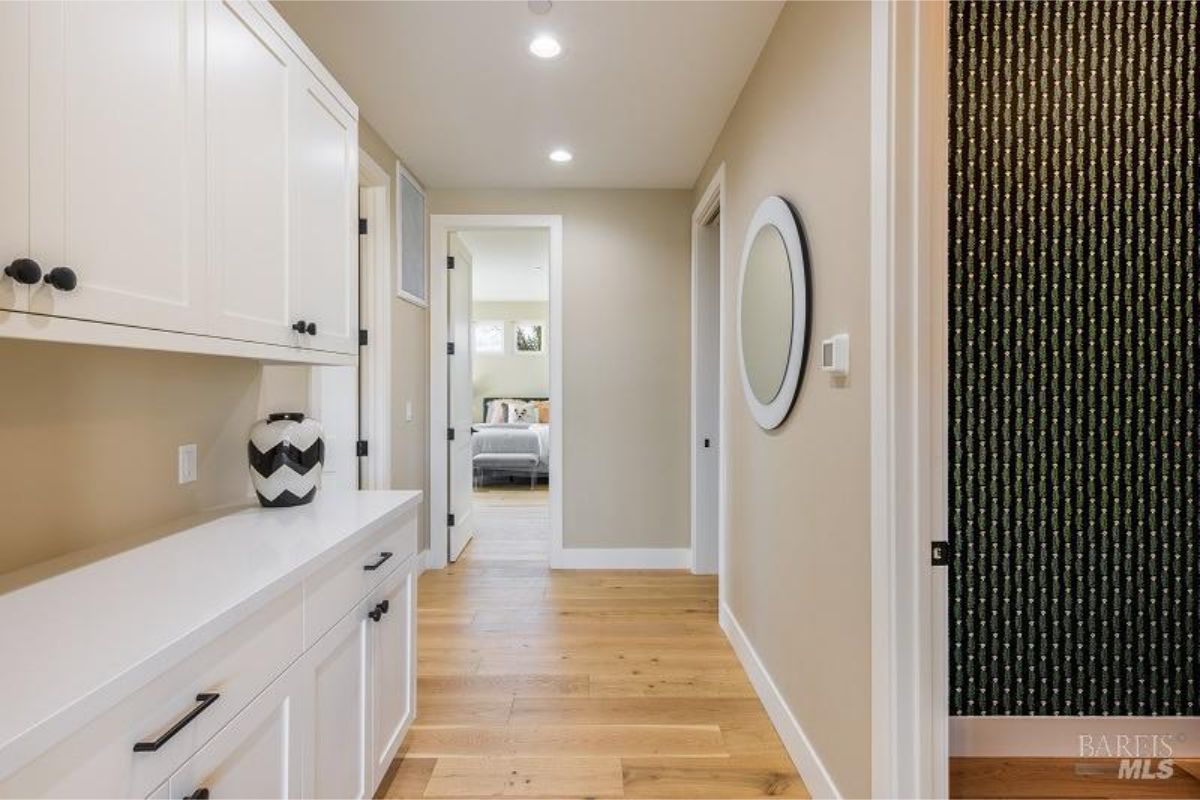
{"points": [[1075, 358]]}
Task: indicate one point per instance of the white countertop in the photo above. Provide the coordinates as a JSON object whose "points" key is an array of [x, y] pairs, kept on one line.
{"points": [[76, 643]]}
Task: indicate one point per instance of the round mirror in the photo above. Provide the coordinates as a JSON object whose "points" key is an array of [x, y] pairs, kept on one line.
{"points": [[773, 312]]}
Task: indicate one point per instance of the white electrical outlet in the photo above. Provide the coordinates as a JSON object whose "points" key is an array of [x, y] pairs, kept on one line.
{"points": [[187, 463]]}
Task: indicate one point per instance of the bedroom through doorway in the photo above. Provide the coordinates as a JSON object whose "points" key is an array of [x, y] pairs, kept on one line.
{"points": [[512, 416]]}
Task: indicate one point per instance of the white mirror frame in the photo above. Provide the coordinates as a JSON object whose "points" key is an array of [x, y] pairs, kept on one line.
{"points": [[778, 212]]}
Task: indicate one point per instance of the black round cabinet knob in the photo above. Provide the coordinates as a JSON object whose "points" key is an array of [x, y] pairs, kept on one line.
{"points": [[311, 330], [62, 278], [300, 327], [24, 270]]}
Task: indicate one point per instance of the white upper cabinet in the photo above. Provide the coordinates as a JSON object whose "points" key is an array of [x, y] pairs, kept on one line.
{"points": [[324, 194], [14, 149], [117, 161], [176, 167], [247, 116]]}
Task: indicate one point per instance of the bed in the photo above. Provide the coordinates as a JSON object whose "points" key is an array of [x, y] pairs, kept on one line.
{"points": [[507, 450]]}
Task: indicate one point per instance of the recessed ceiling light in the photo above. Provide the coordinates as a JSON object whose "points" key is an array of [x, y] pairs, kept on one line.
{"points": [[561, 156], [545, 46]]}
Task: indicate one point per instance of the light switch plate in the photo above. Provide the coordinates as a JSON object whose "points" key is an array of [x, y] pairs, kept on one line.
{"points": [[187, 463]]}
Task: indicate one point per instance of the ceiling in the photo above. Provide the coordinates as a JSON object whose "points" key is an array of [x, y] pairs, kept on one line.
{"points": [[509, 264], [639, 94]]}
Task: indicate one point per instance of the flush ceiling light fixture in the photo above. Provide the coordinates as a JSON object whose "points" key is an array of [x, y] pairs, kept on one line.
{"points": [[545, 46], [561, 156]]}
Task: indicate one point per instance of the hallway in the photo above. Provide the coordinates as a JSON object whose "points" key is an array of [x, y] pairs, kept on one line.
{"points": [[541, 683]]}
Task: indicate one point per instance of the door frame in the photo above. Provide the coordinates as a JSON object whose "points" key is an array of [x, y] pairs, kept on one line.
{"points": [[711, 202], [440, 228], [375, 317], [909, 368]]}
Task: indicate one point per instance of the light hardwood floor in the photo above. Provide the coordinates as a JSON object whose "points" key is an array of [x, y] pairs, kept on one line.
{"points": [[538, 683]]}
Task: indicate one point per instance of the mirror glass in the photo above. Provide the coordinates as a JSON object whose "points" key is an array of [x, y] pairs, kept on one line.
{"points": [[767, 314]]}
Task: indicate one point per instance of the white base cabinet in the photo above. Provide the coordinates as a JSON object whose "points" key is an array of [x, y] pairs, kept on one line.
{"points": [[310, 695]]}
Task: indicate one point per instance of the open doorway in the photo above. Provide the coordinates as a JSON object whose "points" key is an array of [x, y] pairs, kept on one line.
{"points": [[707, 372], [495, 387]]}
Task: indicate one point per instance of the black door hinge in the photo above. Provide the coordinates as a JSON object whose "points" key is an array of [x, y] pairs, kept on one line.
{"points": [[450, 434], [449, 348], [362, 226], [360, 447], [449, 262], [450, 520], [362, 337], [940, 554]]}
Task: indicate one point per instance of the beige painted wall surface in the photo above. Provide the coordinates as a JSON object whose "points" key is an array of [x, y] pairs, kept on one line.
{"points": [[798, 545], [89, 438], [510, 374], [410, 360], [626, 290]]}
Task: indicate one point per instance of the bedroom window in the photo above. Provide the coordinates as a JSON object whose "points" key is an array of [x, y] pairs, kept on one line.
{"points": [[529, 337], [489, 337]]}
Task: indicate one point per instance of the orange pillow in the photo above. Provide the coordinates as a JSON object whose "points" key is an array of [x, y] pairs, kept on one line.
{"points": [[543, 407]]}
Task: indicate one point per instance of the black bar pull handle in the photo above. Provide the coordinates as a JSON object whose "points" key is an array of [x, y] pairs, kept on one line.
{"points": [[199, 794], [382, 558], [203, 701]]}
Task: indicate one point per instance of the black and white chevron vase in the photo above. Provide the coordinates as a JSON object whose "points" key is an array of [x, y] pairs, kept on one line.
{"points": [[286, 454]]}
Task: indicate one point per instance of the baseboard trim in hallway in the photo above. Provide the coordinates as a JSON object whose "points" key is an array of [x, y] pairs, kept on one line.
{"points": [[812, 770], [622, 558]]}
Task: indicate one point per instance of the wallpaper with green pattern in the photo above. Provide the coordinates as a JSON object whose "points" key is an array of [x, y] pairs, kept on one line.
{"points": [[1075, 358]]}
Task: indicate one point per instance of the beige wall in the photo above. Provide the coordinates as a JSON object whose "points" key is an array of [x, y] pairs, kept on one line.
{"points": [[510, 374], [625, 364], [798, 540], [89, 438], [410, 362]]}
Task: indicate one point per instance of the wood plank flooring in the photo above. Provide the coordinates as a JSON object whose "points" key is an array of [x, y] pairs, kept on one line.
{"points": [[535, 683]]}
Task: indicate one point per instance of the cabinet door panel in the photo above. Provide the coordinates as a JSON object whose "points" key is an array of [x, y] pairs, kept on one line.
{"points": [[324, 195], [393, 677], [259, 753], [247, 120], [14, 146], [117, 160], [340, 759]]}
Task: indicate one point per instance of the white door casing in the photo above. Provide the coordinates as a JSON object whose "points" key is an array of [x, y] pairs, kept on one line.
{"points": [[375, 309], [461, 398]]}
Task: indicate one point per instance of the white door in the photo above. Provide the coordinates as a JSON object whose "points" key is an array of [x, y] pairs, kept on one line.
{"points": [[333, 400], [340, 760], [461, 399], [14, 148], [247, 124], [706, 397], [259, 753], [117, 160], [324, 216], [393, 667]]}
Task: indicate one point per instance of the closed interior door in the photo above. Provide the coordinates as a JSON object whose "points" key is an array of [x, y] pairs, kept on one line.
{"points": [[706, 390], [324, 215], [14, 146], [117, 160], [247, 119], [461, 399], [393, 673]]}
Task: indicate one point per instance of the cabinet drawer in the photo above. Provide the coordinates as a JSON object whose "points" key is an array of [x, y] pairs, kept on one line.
{"points": [[99, 760], [334, 590]]}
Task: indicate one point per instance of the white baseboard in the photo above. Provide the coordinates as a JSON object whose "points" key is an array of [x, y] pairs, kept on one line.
{"points": [[817, 779], [423, 560], [621, 558], [1058, 737]]}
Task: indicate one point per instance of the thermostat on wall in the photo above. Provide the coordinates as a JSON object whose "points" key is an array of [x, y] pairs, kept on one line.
{"points": [[835, 354]]}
